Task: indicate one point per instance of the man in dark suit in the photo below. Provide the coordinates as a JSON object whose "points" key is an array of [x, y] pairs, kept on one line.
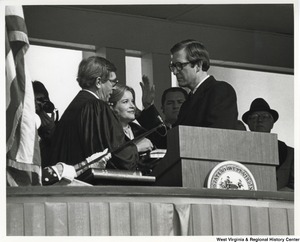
{"points": [[211, 103], [261, 118]]}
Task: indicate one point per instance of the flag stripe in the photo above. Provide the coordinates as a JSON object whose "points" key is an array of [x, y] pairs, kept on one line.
{"points": [[7, 45], [28, 128], [15, 107], [10, 74], [18, 46], [12, 123], [24, 167], [14, 10], [15, 141], [15, 23]]}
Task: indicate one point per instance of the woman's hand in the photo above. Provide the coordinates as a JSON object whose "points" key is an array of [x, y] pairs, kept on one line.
{"points": [[144, 145]]}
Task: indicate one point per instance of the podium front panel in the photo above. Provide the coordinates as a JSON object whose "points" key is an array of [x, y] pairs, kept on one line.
{"points": [[193, 152]]}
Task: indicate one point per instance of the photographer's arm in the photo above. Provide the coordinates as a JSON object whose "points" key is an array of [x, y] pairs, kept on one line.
{"points": [[47, 125]]}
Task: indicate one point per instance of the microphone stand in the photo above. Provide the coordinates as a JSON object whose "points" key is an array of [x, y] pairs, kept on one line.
{"points": [[79, 167]]}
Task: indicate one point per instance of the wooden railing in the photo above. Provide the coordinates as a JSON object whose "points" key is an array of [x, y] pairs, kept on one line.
{"points": [[137, 210]]}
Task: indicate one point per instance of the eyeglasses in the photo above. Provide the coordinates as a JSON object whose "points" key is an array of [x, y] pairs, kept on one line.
{"points": [[180, 65], [114, 82], [262, 116]]}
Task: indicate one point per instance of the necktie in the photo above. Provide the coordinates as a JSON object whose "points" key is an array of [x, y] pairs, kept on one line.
{"points": [[190, 96]]}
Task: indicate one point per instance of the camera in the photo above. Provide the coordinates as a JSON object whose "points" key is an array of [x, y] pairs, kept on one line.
{"points": [[46, 105]]}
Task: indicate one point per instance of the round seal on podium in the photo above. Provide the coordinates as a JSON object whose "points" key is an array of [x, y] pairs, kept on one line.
{"points": [[231, 175]]}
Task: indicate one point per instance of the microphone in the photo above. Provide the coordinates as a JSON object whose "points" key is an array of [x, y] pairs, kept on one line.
{"points": [[85, 163], [163, 125], [160, 119]]}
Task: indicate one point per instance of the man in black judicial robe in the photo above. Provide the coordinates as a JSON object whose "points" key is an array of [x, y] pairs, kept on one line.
{"points": [[88, 125]]}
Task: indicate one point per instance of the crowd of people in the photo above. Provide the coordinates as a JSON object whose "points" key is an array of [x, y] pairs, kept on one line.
{"points": [[103, 122]]}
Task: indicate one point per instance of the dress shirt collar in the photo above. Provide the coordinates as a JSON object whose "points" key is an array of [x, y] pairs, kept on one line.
{"points": [[91, 93], [195, 89], [128, 132]]}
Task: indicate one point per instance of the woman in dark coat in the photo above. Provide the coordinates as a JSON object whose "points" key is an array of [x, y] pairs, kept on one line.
{"points": [[122, 102]]}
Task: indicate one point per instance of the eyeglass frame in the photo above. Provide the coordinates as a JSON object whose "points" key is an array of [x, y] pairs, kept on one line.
{"points": [[113, 82], [181, 65], [263, 116]]}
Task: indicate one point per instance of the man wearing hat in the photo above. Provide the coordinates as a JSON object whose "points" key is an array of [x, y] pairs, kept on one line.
{"points": [[261, 118]]}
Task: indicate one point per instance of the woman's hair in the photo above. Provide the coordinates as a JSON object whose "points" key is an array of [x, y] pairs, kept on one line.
{"points": [[195, 52], [93, 67], [118, 93]]}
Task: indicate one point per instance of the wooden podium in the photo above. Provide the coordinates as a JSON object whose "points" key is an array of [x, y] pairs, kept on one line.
{"points": [[193, 152]]}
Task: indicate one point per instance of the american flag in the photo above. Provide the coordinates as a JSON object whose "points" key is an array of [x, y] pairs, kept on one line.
{"points": [[22, 147]]}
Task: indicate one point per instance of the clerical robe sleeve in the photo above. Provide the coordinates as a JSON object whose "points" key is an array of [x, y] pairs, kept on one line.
{"points": [[148, 118]]}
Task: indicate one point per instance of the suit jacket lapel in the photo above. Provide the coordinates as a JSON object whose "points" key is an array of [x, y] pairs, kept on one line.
{"points": [[195, 99], [204, 86]]}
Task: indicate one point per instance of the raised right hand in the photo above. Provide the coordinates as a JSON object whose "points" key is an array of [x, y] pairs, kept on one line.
{"points": [[148, 92]]}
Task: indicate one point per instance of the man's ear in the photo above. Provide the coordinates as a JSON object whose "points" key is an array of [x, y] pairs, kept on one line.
{"points": [[98, 82], [162, 109], [199, 66]]}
